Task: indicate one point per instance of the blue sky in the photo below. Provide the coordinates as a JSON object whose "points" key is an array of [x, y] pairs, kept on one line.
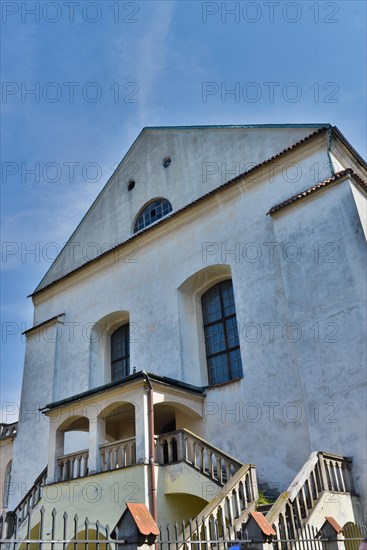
{"points": [[101, 71]]}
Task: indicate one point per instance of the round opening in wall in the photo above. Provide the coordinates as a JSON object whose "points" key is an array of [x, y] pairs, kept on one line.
{"points": [[166, 162], [131, 185]]}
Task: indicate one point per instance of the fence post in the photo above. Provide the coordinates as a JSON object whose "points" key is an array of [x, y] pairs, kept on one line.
{"points": [[260, 532], [332, 531]]}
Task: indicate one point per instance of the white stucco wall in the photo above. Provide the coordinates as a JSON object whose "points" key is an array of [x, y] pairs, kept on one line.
{"points": [[278, 413]]}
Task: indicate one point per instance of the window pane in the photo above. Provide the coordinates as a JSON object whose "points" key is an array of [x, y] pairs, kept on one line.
{"points": [[228, 298], [215, 339], [236, 363], [221, 334], [152, 212], [120, 353], [211, 306], [218, 369], [232, 332]]}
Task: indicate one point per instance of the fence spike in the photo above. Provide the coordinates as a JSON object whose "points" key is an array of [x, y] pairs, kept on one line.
{"points": [[64, 528]]}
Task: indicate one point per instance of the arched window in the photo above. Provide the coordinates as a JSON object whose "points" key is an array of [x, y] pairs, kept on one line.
{"points": [[120, 353], [7, 481], [221, 334], [152, 212]]}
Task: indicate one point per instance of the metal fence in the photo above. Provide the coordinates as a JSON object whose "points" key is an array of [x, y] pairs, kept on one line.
{"points": [[64, 532]]}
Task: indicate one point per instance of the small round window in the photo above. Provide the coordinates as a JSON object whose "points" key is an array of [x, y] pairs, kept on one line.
{"points": [[166, 162], [131, 185]]}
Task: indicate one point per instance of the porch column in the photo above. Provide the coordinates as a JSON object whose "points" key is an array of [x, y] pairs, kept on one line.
{"points": [[142, 429], [55, 450], [97, 433]]}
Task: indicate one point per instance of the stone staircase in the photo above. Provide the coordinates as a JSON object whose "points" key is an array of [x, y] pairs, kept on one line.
{"points": [[226, 515], [309, 498], [323, 474]]}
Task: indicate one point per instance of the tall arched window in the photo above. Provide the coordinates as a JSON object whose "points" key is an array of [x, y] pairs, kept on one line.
{"points": [[120, 353], [152, 212], [7, 481], [221, 334]]}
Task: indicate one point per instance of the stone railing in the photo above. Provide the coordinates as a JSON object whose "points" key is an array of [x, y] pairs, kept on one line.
{"points": [[31, 499], [322, 472], [72, 466], [224, 514], [183, 445], [118, 454]]}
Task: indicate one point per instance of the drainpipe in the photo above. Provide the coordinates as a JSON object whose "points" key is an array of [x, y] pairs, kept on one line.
{"points": [[153, 488]]}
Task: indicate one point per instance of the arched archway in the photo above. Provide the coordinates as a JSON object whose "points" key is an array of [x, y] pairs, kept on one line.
{"points": [[119, 447], [72, 448], [170, 419]]}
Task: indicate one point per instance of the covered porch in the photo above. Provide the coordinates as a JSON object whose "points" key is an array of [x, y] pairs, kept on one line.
{"points": [[110, 428]]}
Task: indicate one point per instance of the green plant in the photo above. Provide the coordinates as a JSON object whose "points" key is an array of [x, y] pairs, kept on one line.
{"points": [[263, 499]]}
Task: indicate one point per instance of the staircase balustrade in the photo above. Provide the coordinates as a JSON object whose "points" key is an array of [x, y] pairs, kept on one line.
{"points": [[322, 472], [183, 445], [118, 454], [225, 513], [30, 499], [73, 465]]}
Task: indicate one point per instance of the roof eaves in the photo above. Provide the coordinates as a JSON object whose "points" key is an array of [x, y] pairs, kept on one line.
{"points": [[234, 126], [51, 320], [337, 178], [131, 378], [350, 147]]}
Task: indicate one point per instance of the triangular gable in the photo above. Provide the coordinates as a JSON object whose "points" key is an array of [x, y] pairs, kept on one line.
{"points": [[203, 158]]}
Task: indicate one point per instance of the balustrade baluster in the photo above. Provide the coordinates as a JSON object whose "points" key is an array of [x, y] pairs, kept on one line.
{"points": [[122, 459], [339, 471], [222, 522], [298, 508], [307, 490], [242, 495], [324, 474], [202, 463], [170, 450], [334, 481], [237, 501], [314, 494], [230, 510], [85, 465]]}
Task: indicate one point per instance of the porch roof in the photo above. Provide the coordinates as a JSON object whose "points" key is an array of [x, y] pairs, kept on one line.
{"points": [[143, 375]]}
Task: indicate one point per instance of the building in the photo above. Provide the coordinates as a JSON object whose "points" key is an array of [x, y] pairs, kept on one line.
{"points": [[203, 330]]}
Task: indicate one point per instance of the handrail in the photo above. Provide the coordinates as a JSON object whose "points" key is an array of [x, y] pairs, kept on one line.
{"points": [[72, 455], [215, 502], [117, 442], [212, 447]]}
